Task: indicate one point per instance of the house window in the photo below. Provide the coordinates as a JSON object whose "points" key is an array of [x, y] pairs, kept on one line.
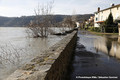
{"points": [[96, 19]]}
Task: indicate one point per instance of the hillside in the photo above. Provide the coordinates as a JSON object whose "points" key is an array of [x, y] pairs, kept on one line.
{"points": [[24, 20]]}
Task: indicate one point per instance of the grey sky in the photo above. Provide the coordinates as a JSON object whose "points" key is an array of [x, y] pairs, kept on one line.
{"points": [[12, 8]]}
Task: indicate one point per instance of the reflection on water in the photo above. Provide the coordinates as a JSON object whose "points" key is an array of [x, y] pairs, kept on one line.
{"points": [[109, 45], [92, 56], [119, 39], [16, 48]]}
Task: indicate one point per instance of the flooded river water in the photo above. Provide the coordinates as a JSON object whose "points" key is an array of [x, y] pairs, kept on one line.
{"points": [[16, 48], [96, 57]]}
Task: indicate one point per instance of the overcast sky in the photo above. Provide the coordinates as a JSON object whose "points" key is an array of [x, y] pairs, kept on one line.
{"points": [[14, 8]]}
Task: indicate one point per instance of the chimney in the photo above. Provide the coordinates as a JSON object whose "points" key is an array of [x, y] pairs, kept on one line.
{"points": [[112, 5], [98, 9]]}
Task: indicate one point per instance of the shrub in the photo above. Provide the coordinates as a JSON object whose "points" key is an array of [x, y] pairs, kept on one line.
{"points": [[109, 21], [111, 29], [97, 29], [109, 26], [91, 28]]}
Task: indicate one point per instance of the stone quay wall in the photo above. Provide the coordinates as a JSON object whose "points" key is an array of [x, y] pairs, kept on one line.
{"points": [[51, 65]]}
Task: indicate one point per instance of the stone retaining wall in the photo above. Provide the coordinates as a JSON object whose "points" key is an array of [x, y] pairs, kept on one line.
{"points": [[51, 65]]}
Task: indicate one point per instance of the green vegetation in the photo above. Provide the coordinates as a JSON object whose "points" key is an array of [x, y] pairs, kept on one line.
{"points": [[96, 29], [109, 26], [101, 33], [109, 21]]}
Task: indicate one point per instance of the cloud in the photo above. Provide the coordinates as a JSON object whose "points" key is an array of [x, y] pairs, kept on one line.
{"points": [[26, 7]]}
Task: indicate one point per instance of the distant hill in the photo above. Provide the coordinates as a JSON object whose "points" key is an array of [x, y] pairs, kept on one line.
{"points": [[24, 20]]}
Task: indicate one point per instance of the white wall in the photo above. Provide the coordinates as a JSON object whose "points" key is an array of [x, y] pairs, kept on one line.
{"points": [[103, 15]]}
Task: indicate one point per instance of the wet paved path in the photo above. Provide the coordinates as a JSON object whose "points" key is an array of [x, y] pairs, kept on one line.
{"points": [[89, 64]]}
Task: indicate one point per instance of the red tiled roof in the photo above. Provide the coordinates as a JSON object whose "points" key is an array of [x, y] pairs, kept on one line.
{"points": [[100, 22]]}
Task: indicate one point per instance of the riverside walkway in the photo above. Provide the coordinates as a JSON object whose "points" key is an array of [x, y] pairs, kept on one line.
{"points": [[93, 58]]}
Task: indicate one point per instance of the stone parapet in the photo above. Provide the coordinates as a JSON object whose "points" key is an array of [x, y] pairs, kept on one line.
{"points": [[51, 65]]}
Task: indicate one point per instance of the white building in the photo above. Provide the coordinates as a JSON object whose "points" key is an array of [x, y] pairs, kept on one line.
{"points": [[78, 24], [102, 15]]}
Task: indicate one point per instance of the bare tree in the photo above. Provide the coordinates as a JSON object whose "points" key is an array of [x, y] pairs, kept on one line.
{"points": [[43, 20], [10, 55], [74, 16], [68, 22]]}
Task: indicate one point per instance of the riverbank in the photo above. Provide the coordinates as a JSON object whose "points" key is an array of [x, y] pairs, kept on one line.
{"points": [[100, 33], [51, 65]]}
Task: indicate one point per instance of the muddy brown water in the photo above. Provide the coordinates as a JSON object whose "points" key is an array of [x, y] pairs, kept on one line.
{"points": [[96, 57], [16, 48]]}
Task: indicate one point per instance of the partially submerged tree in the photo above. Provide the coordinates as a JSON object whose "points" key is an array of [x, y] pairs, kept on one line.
{"points": [[43, 20], [68, 22]]}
